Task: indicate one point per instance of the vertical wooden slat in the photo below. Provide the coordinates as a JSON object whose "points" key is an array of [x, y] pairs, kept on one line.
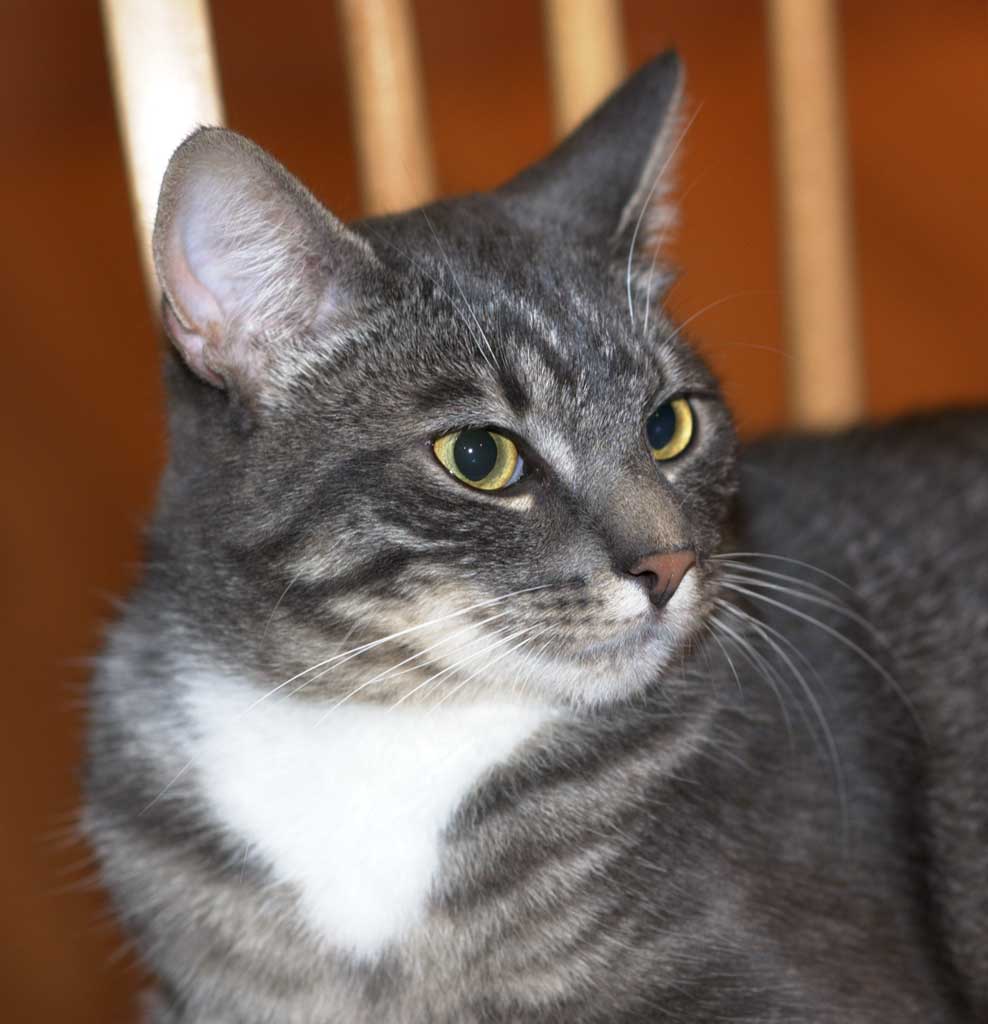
{"points": [[165, 84], [586, 56], [387, 98], [826, 387]]}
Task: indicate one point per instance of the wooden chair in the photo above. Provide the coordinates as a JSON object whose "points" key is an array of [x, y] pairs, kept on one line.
{"points": [[165, 80]]}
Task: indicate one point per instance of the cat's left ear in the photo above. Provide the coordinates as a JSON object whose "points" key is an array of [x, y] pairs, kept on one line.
{"points": [[608, 184]]}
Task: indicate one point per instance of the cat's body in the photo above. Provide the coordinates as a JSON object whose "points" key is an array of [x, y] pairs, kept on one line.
{"points": [[556, 805]]}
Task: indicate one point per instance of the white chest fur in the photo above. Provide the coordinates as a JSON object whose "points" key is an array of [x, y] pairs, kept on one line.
{"points": [[348, 807]]}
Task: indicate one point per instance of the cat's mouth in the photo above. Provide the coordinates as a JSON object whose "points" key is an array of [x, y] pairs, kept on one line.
{"points": [[667, 625], [626, 654]]}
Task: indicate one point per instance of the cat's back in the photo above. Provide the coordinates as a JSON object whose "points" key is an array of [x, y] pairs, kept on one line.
{"points": [[900, 514], [904, 487]]}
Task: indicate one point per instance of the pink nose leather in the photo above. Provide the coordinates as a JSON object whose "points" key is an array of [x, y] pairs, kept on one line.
{"points": [[662, 572]]}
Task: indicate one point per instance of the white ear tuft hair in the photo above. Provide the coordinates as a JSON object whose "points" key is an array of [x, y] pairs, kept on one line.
{"points": [[651, 216], [248, 260]]}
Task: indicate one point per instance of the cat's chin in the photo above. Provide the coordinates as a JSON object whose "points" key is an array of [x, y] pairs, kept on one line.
{"points": [[609, 672]]}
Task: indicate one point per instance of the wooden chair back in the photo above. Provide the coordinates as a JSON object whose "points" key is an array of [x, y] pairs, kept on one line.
{"points": [[166, 83]]}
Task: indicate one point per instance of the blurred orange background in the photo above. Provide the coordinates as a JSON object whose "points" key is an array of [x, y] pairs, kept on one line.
{"points": [[81, 402]]}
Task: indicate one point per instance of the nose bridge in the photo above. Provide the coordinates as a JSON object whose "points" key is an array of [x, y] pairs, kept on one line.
{"points": [[636, 513]]}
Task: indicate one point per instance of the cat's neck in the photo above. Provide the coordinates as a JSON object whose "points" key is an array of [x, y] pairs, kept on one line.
{"points": [[346, 804]]}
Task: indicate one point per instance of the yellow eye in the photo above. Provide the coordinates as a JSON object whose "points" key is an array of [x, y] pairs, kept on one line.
{"points": [[480, 458], [670, 429]]}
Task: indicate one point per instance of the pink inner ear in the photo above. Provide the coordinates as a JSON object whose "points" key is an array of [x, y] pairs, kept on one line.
{"points": [[192, 347], [193, 318]]}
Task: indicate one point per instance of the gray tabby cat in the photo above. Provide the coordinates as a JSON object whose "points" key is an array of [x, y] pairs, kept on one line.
{"points": [[474, 678]]}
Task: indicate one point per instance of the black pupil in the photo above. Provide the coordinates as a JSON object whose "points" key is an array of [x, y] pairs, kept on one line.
{"points": [[661, 426], [475, 453]]}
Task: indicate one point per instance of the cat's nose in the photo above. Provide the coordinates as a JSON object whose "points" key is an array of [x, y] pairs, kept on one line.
{"points": [[661, 573]]}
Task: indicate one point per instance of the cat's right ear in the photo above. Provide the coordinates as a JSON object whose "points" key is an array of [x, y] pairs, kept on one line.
{"points": [[249, 263]]}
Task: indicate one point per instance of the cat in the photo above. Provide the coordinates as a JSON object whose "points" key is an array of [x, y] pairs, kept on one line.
{"points": [[476, 674]]}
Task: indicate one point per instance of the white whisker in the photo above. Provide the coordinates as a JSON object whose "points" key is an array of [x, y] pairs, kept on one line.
{"points": [[387, 673], [491, 360], [486, 666], [656, 246], [462, 661], [730, 660], [762, 666], [704, 310], [185, 767], [784, 558], [452, 301], [757, 570], [347, 655], [827, 602], [768, 634], [648, 201], [839, 637]]}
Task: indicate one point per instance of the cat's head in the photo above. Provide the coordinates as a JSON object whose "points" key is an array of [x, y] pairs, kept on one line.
{"points": [[470, 428]]}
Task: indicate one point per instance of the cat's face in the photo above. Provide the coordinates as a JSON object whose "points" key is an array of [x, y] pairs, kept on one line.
{"points": [[467, 430]]}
